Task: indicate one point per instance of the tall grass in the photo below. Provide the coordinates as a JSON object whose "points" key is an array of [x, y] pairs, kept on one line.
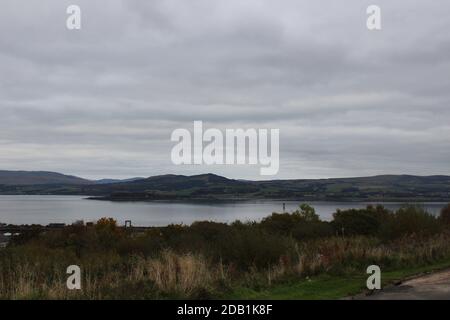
{"points": [[175, 275]]}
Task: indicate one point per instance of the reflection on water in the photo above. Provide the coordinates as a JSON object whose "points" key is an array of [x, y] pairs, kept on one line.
{"points": [[23, 209]]}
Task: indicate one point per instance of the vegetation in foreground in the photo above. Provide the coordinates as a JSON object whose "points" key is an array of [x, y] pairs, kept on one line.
{"points": [[289, 255]]}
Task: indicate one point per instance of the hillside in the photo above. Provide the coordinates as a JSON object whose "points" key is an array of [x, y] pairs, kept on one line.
{"points": [[24, 178], [382, 188], [214, 187], [173, 187], [209, 186]]}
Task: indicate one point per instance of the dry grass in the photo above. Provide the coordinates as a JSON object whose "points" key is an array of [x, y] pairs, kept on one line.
{"points": [[184, 275], [347, 255], [180, 273], [169, 273]]}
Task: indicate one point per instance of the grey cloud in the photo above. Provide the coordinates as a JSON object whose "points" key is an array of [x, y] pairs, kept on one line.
{"points": [[102, 101]]}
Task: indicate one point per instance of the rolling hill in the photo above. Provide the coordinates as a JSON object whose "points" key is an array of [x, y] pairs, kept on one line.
{"points": [[38, 177], [214, 188]]}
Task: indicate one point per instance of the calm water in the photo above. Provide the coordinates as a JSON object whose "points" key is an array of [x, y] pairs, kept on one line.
{"points": [[67, 209]]}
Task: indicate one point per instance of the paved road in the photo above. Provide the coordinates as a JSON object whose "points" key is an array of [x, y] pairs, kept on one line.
{"points": [[435, 286]]}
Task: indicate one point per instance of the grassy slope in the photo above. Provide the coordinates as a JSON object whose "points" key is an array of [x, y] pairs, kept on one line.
{"points": [[330, 287]]}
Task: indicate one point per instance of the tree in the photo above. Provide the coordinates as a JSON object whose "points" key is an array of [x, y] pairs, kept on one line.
{"points": [[106, 223], [307, 213], [108, 232]]}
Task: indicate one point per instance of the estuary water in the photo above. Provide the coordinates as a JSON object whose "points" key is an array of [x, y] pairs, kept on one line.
{"points": [[25, 209]]}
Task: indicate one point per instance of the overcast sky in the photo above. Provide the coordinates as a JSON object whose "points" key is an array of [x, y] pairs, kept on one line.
{"points": [[103, 101]]}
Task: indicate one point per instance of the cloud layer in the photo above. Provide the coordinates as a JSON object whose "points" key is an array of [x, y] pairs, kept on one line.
{"points": [[103, 101]]}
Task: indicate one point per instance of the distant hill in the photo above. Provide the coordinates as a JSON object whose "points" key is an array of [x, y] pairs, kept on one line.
{"points": [[38, 178], [171, 187], [28, 178], [212, 187]]}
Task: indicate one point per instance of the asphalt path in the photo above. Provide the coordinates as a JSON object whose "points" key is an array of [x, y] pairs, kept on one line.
{"points": [[435, 286]]}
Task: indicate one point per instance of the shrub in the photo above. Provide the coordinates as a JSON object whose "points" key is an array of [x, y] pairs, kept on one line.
{"points": [[445, 215], [281, 223], [108, 232], [412, 220], [307, 213], [355, 222], [312, 230], [285, 223]]}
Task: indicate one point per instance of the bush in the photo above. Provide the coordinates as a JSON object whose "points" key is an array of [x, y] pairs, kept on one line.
{"points": [[281, 223], [307, 213], [108, 232], [312, 230], [355, 222], [412, 220], [445, 215], [285, 223], [253, 248]]}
